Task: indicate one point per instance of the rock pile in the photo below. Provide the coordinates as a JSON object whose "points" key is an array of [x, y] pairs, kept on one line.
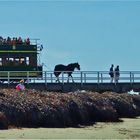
{"points": [[47, 109]]}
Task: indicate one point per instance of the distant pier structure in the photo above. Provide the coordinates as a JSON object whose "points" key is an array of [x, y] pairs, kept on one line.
{"points": [[98, 81]]}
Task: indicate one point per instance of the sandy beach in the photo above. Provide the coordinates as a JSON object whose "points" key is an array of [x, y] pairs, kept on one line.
{"points": [[128, 129]]}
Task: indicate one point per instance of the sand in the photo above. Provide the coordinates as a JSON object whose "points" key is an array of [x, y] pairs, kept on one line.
{"points": [[128, 129]]}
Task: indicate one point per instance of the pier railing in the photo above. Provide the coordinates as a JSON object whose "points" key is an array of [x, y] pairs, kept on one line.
{"points": [[78, 77]]}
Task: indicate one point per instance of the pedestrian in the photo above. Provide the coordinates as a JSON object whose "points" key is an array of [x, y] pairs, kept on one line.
{"points": [[111, 73], [20, 87], [117, 74]]}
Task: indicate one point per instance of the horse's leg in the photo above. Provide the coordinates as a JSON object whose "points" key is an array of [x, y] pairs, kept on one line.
{"points": [[72, 79], [69, 75], [68, 79], [57, 76], [57, 79]]}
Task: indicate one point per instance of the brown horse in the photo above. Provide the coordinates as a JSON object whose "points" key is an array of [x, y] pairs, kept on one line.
{"points": [[66, 69]]}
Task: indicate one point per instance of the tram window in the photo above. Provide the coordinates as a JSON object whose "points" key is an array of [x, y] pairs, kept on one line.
{"points": [[0, 61], [11, 61], [22, 61], [16, 61], [27, 60]]}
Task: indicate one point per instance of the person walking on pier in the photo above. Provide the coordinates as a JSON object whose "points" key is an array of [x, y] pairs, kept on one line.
{"points": [[111, 73], [116, 74]]}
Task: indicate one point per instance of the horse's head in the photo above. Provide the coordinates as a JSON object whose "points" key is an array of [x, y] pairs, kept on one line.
{"points": [[77, 66]]}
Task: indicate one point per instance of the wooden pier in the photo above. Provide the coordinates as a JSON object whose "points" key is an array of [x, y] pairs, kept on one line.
{"points": [[83, 80]]}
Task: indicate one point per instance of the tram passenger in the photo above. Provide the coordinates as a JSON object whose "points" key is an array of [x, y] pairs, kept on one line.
{"points": [[4, 41], [14, 41], [28, 41], [9, 40], [1, 40], [19, 41]]}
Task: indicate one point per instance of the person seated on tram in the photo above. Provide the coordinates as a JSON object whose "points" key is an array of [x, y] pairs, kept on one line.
{"points": [[4, 41], [1, 40], [14, 41], [9, 40], [19, 41], [28, 41]]}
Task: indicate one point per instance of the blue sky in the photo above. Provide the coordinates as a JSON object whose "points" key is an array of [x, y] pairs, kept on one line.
{"points": [[94, 33]]}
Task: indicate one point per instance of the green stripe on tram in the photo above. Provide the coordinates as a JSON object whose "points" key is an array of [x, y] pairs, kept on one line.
{"points": [[17, 51], [16, 74]]}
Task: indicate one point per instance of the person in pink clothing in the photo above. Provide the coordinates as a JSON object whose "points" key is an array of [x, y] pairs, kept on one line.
{"points": [[20, 87]]}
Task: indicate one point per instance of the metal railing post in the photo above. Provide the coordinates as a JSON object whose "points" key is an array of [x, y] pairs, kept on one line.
{"points": [[133, 78], [45, 77], [8, 78], [98, 77], [63, 78], [28, 77], [51, 78], [34, 79], [130, 78], [84, 77], [101, 78], [81, 78]]}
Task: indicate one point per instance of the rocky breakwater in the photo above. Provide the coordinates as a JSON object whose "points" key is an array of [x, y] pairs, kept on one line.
{"points": [[49, 109]]}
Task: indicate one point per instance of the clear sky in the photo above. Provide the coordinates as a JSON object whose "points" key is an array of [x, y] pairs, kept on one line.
{"points": [[94, 33]]}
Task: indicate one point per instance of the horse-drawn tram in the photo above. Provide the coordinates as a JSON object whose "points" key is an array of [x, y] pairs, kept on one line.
{"points": [[19, 59]]}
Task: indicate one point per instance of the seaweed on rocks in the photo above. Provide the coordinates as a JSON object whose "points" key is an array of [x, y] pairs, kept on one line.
{"points": [[53, 109]]}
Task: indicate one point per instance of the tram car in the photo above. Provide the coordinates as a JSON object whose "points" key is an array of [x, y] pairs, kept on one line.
{"points": [[20, 59]]}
